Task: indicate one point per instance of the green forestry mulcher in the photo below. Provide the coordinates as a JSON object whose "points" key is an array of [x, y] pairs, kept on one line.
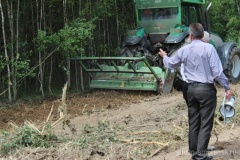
{"points": [[160, 24]]}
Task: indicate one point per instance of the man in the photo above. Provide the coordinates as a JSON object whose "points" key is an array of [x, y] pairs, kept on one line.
{"points": [[202, 67], [185, 86]]}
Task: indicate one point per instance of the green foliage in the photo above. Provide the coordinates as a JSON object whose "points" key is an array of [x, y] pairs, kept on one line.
{"points": [[74, 37], [71, 40], [224, 14], [23, 68], [233, 29], [3, 63], [41, 40], [24, 137]]}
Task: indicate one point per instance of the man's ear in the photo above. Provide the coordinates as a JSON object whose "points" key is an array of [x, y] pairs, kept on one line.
{"points": [[190, 37]]}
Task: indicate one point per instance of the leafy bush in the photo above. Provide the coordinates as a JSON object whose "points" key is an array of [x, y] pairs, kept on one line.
{"points": [[24, 137]]}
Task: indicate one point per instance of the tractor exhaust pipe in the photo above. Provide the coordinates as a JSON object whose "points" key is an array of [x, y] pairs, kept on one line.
{"points": [[207, 18]]}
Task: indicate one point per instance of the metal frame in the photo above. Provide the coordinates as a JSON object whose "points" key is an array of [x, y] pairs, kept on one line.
{"points": [[132, 75]]}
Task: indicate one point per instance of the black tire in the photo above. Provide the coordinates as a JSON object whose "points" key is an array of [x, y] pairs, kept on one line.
{"points": [[233, 70], [178, 81]]}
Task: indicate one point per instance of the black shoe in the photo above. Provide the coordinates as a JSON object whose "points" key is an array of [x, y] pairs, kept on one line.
{"points": [[206, 158]]}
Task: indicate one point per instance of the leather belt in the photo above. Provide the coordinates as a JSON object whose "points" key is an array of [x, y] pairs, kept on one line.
{"points": [[200, 84]]}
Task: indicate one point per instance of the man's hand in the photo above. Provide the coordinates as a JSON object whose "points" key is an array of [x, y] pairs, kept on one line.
{"points": [[228, 94], [162, 53]]}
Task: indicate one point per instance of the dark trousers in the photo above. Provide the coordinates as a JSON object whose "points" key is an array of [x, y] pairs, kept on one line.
{"points": [[201, 101], [184, 91]]}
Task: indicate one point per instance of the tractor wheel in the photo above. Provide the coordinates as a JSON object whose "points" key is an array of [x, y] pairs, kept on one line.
{"points": [[178, 81], [233, 70]]}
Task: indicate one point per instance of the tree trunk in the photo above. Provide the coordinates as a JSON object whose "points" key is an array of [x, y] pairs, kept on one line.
{"points": [[17, 51], [82, 82], [34, 44], [116, 9], [76, 75], [50, 79], [80, 7], [13, 67], [67, 58], [6, 56], [40, 74], [64, 11]]}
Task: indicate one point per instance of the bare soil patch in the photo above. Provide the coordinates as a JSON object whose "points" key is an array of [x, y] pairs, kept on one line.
{"points": [[124, 125], [77, 105]]}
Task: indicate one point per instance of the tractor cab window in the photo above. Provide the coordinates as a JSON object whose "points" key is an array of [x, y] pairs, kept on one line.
{"points": [[157, 13], [158, 19], [190, 14], [145, 14]]}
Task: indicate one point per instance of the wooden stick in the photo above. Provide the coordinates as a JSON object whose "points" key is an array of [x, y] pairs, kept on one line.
{"points": [[84, 108], [49, 114], [216, 134], [143, 132], [180, 128], [235, 140], [232, 126], [32, 126], [185, 117], [157, 151], [58, 121], [11, 123], [141, 125], [140, 132], [219, 123], [66, 146], [43, 129], [137, 142]]}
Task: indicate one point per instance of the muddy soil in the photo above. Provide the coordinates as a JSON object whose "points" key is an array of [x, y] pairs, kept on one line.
{"points": [[164, 116]]}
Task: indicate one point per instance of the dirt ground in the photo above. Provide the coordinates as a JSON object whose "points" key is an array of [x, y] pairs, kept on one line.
{"points": [[153, 127]]}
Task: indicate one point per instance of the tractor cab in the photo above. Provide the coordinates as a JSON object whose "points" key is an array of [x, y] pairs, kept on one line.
{"points": [[161, 18]]}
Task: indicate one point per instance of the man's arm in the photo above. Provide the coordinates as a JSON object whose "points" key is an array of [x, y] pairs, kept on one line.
{"points": [[171, 62], [218, 74], [162, 53]]}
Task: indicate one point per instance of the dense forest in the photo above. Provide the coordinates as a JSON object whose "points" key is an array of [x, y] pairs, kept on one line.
{"points": [[39, 36]]}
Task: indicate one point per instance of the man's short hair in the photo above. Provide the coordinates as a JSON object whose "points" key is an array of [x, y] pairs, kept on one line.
{"points": [[196, 30]]}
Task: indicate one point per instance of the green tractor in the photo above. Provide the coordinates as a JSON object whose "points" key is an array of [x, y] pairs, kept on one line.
{"points": [[160, 24]]}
